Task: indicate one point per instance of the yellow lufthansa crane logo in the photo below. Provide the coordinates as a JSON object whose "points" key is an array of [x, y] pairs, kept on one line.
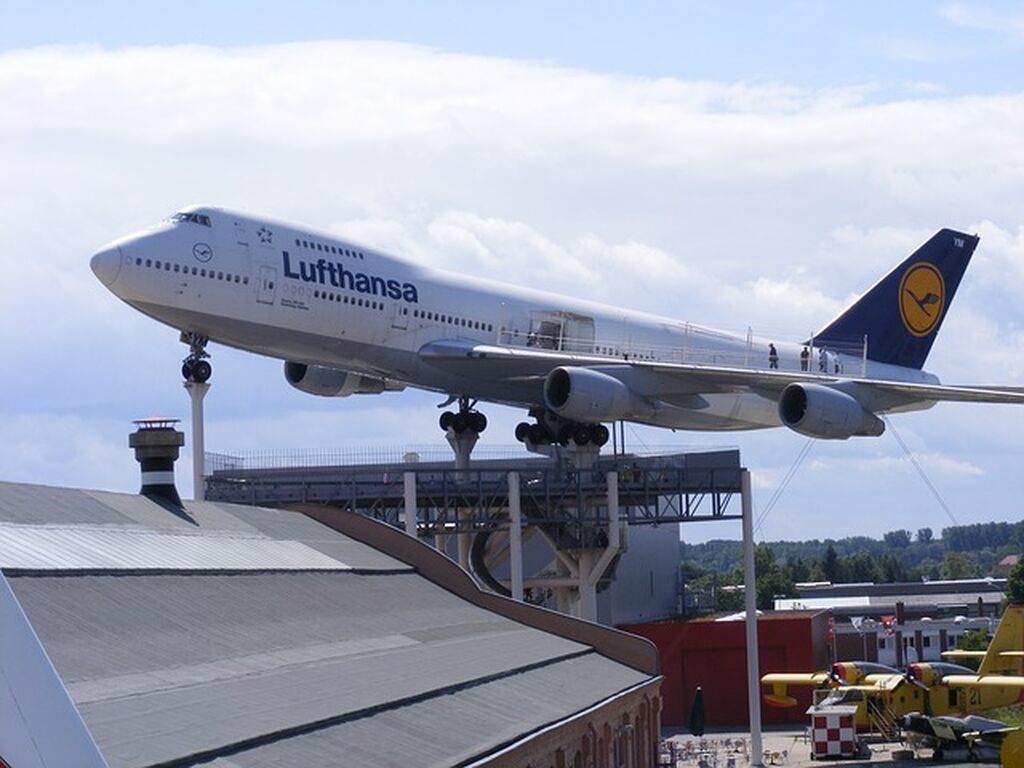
{"points": [[922, 298]]}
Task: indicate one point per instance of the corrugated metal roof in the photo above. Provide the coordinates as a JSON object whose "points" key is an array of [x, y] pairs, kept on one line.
{"points": [[83, 547], [165, 665]]}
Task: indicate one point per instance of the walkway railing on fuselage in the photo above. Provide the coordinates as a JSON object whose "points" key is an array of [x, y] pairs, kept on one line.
{"points": [[699, 346]]}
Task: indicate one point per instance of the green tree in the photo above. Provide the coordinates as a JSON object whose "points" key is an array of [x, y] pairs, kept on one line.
{"points": [[830, 564], [924, 535], [892, 569], [972, 640], [771, 580], [860, 568], [957, 565], [1015, 585], [897, 539]]}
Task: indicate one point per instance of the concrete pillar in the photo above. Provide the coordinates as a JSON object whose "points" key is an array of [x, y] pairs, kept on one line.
{"points": [[196, 393], [463, 539], [409, 489], [515, 536], [750, 598], [587, 586], [462, 444]]}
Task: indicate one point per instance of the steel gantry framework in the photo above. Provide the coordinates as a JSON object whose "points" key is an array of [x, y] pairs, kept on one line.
{"points": [[652, 490]]}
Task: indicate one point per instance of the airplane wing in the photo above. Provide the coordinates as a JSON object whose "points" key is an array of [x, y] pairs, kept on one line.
{"points": [[780, 682], [984, 681], [654, 379], [958, 654]]}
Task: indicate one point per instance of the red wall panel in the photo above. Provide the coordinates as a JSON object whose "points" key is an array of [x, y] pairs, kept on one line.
{"points": [[711, 654]]}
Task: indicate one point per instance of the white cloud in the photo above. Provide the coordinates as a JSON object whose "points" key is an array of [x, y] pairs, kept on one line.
{"points": [[724, 203], [980, 17]]}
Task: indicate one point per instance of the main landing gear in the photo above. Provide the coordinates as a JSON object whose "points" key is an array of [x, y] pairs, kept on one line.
{"points": [[551, 428], [466, 419], [196, 368], [462, 429]]}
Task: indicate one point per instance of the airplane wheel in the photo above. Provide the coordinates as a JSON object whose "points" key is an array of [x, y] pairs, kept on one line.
{"points": [[446, 420], [538, 435], [581, 434], [201, 371], [460, 422], [186, 370], [477, 422], [522, 431], [601, 434]]}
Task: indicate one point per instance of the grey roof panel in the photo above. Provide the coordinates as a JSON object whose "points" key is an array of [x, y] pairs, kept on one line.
{"points": [[64, 528], [24, 503], [86, 547], [105, 626], [283, 524], [468, 724], [147, 728]]}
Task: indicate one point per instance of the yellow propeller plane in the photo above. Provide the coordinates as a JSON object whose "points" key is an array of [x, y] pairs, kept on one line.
{"points": [[934, 688]]}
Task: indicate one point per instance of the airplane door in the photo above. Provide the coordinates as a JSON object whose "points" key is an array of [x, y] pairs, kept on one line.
{"points": [[400, 319], [265, 289], [241, 235]]}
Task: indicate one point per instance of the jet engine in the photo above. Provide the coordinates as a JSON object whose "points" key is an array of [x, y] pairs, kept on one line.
{"points": [[331, 382], [586, 395], [826, 413]]}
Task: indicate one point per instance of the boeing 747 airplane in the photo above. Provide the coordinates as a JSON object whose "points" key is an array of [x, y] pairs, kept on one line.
{"points": [[349, 319]]}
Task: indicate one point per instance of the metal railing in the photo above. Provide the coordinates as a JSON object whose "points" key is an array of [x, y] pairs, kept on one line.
{"points": [[702, 346], [651, 491]]}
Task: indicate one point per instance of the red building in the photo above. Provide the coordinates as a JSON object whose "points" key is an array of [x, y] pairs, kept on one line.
{"points": [[712, 654]]}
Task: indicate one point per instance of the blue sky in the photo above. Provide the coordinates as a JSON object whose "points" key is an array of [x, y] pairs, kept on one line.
{"points": [[958, 47], [756, 164]]}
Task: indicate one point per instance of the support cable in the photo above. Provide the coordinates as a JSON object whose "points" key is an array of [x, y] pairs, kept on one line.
{"points": [[920, 471], [784, 484]]}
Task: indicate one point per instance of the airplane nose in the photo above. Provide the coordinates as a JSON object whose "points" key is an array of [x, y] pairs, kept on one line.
{"points": [[106, 264]]}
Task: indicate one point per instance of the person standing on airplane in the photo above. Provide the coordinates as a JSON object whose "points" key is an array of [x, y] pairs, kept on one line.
{"points": [[805, 356], [773, 357]]}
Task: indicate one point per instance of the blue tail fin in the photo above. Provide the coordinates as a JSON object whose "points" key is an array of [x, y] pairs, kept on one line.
{"points": [[902, 313]]}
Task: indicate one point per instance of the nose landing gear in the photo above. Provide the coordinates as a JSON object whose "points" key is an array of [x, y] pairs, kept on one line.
{"points": [[195, 367]]}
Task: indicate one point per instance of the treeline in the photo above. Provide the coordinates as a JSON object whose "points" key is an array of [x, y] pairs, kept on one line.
{"points": [[964, 551]]}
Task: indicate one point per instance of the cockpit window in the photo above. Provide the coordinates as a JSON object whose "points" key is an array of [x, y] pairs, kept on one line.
{"points": [[195, 218]]}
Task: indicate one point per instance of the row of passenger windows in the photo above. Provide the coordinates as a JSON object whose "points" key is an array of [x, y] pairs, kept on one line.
{"points": [[336, 250], [197, 271], [437, 317], [342, 298]]}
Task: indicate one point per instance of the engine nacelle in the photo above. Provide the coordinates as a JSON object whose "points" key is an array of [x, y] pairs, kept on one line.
{"points": [[582, 394], [330, 382], [826, 413]]}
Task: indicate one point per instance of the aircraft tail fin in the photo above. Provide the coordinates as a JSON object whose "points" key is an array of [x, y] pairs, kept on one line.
{"points": [[902, 313], [1004, 655]]}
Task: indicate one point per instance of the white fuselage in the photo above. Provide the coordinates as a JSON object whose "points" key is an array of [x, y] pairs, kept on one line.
{"points": [[295, 294]]}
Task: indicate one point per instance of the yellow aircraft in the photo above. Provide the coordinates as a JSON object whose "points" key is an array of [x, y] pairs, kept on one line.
{"points": [[934, 688]]}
